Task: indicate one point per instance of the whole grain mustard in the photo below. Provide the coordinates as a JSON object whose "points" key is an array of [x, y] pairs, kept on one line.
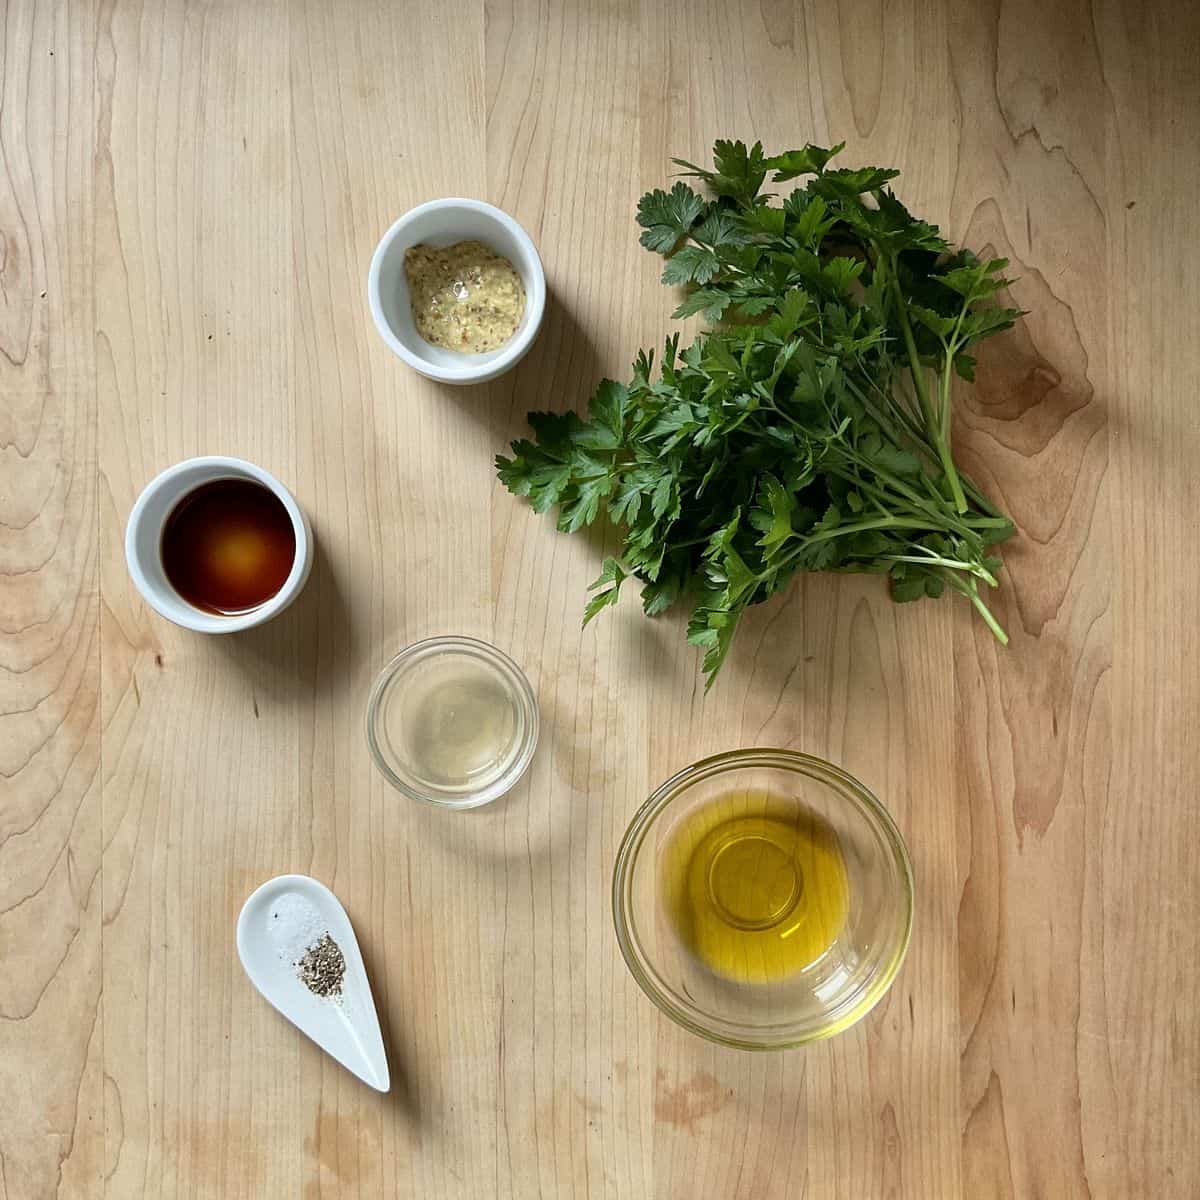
{"points": [[464, 297]]}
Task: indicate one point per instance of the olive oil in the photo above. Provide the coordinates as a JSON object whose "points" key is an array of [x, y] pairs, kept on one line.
{"points": [[756, 886]]}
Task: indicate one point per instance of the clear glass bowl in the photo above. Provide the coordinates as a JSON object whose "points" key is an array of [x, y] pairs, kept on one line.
{"points": [[452, 721], [741, 894]]}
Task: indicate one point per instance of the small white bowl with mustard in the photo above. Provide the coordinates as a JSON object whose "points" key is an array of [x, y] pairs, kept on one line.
{"points": [[457, 290]]}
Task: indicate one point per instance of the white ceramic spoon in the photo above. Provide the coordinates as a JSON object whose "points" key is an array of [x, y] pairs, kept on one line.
{"points": [[277, 924]]}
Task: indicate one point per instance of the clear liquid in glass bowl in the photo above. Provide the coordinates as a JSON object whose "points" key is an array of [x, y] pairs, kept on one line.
{"points": [[452, 721]]}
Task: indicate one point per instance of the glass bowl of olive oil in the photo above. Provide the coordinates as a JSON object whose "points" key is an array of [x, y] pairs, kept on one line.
{"points": [[763, 899]]}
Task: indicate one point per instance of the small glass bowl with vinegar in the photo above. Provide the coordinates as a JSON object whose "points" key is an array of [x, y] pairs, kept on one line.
{"points": [[452, 721], [763, 899]]}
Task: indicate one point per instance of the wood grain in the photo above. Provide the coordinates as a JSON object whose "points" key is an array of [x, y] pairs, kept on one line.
{"points": [[189, 196], [51, 1044]]}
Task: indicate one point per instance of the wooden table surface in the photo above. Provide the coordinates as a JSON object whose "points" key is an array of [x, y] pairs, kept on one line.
{"points": [[189, 197]]}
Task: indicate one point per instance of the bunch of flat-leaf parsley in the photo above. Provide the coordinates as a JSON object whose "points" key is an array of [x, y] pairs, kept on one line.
{"points": [[810, 429]]}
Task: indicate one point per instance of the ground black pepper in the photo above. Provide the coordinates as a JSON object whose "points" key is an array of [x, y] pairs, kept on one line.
{"points": [[323, 967]]}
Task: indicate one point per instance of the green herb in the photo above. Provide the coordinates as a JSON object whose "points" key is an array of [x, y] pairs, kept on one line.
{"points": [[809, 431]]}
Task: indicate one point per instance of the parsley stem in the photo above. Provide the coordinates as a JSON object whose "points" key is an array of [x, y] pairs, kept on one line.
{"points": [[920, 437], [910, 345], [986, 614], [911, 425], [936, 560], [967, 588], [853, 527], [947, 461], [935, 519], [943, 429], [938, 422], [881, 419], [994, 517], [984, 522]]}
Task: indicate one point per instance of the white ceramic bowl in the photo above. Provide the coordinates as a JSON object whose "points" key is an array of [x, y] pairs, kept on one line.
{"points": [[143, 544], [442, 223]]}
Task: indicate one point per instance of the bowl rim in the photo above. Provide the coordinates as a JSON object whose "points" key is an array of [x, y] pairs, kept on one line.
{"points": [[481, 649], [535, 297], [639, 964]]}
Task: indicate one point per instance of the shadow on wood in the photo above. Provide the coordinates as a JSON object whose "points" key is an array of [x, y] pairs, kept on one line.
{"points": [[310, 647]]}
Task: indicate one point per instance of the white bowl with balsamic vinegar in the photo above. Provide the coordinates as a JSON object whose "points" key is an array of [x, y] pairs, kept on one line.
{"points": [[218, 545]]}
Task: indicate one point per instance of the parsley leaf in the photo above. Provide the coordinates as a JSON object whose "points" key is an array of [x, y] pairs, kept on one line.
{"points": [[666, 217], [809, 161], [612, 573], [692, 264]]}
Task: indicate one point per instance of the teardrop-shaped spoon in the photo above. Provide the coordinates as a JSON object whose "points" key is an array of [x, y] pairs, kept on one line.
{"points": [[278, 925]]}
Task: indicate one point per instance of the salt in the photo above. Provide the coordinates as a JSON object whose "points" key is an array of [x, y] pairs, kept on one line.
{"points": [[293, 924]]}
